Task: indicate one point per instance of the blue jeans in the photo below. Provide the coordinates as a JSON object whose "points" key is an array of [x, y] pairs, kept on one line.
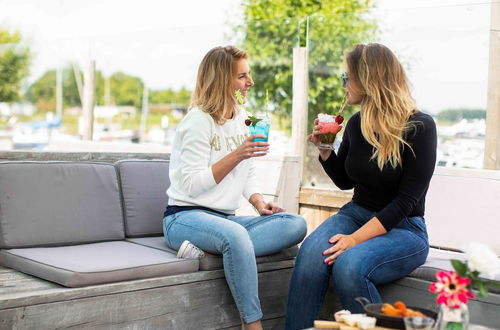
{"points": [[358, 270], [239, 239]]}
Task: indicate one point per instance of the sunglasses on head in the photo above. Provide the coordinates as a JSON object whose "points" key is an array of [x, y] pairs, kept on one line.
{"points": [[345, 79]]}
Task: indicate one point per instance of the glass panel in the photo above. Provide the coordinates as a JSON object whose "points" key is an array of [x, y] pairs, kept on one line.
{"points": [[159, 55], [329, 38], [129, 61], [270, 46], [445, 52], [163, 61]]}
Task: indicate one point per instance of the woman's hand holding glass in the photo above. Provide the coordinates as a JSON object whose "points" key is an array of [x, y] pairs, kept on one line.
{"points": [[249, 148], [315, 138]]}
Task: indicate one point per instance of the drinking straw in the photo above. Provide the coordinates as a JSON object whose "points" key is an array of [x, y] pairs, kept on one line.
{"points": [[267, 103]]}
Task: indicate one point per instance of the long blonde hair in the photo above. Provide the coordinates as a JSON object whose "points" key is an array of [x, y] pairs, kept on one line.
{"points": [[213, 93], [387, 104]]}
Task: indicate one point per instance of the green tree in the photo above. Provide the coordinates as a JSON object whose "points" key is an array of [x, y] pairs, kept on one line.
{"points": [[126, 89], [15, 60], [182, 97], [43, 91], [270, 32]]}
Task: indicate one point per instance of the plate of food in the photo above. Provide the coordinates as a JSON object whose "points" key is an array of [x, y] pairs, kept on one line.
{"points": [[391, 316]]}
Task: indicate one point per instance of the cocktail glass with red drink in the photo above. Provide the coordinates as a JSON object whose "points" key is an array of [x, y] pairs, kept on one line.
{"points": [[330, 126]]}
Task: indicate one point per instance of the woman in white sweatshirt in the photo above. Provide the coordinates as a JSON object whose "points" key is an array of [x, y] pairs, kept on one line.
{"points": [[211, 166]]}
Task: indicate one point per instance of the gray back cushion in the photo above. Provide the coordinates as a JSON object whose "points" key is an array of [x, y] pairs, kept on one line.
{"points": [[58, 203], [144, 184]]}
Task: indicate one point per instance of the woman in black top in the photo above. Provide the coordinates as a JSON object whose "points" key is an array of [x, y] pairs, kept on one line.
{"points": [[388, 155]]}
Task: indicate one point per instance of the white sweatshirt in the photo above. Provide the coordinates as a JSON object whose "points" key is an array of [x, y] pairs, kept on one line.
{"points": [[199, 143]]}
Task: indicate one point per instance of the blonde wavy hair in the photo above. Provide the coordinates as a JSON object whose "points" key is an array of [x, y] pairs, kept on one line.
{"points": [[387, 104], [214, 92]]}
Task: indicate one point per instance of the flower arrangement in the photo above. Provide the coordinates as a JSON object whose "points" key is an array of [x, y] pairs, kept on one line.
{"points": [[454, 288]]}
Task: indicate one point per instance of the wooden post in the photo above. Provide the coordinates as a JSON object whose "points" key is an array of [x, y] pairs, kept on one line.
{"points": [[79, 83], [59, 92], [492, 147], [299, 105], [144, 114], [289, 184], [89, 100], [107, 90]]}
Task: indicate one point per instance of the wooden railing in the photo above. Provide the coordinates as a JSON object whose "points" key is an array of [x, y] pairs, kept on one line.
{"points": [[316, 204]]}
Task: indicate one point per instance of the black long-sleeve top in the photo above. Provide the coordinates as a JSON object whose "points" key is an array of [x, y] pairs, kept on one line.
{"points": [[393, 193]]}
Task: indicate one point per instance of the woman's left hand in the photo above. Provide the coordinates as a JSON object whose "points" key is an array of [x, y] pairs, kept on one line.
{"points": [[269, 208], [340, 243]]}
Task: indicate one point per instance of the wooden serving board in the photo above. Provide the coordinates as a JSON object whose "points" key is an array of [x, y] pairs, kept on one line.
{"points": [[340, 326]]}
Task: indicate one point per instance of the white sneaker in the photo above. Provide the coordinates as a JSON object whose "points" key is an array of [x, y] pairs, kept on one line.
{"points": [[189, 251]]}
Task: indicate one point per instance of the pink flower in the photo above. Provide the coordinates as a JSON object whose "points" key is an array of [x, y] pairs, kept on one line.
{"points": [[452, 289]]}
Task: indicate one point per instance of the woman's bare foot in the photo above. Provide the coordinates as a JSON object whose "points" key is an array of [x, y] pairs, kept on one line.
{"points": [[257, 325]]}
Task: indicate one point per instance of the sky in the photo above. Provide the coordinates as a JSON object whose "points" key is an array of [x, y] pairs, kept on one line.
{"points": [[443, 43]]}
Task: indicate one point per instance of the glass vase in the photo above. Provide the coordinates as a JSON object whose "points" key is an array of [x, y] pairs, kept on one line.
{"points": [[451, 318]]}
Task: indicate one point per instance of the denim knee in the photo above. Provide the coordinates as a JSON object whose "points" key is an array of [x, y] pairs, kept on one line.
{"points": [[310, 255], [296, 225], [349, 271], [236, 237]]}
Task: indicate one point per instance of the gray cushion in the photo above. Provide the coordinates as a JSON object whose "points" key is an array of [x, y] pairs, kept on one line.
{"points": [[144, 184], [441, 260], [211, 263], [57, 203], [95, 263]]}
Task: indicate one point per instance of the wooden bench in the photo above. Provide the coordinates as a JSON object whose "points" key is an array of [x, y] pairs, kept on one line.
{"points": [[194, 300]]}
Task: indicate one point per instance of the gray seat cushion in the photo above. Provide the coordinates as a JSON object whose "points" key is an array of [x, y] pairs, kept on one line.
{"points": [[211, 263], [58, 203], [441, 260], [96, 263], [144, 184]]}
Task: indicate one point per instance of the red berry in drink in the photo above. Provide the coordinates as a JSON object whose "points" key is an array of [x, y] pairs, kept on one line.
{"points": [[339, 119], [248, 122]]}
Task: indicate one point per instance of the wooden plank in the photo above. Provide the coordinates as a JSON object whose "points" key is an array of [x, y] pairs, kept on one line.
{"points": [[327, 212], [18, 289], [110, 157], [195, 305], [324, 197], [492, 146], [325, 324], [313, 217]]}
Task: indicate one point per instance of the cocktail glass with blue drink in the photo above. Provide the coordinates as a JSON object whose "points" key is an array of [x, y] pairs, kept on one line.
{"points": [[260, 128]]}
